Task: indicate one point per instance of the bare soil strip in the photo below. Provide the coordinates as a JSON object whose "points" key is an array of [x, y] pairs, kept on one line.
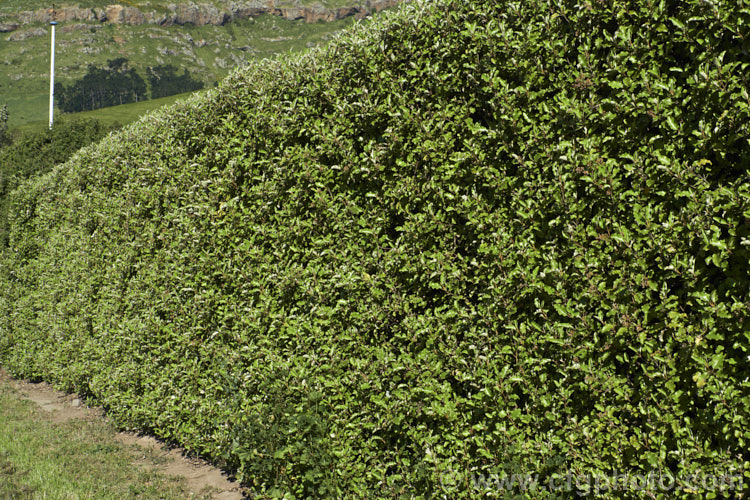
{"points": [[199, 476]]}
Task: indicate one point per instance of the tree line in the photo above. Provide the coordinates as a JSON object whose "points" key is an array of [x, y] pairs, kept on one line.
{"points": [[119, 83]]}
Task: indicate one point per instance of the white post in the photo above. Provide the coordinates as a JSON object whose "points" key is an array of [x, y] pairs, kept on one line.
{"points": [[52, 78]]}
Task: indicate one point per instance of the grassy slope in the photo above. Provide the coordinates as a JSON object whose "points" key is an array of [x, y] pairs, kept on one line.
{"points": [[24, 81], [472, 239]]}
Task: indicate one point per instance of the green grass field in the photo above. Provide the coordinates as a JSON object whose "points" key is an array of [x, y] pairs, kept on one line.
{"points": [[129, 112], [113, 115]]}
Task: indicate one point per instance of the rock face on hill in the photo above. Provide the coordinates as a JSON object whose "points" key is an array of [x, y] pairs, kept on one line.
{"points": [[6, 27], [24, 34], [197, 14]]}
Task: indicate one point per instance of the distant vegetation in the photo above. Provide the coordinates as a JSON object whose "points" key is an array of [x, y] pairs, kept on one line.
{"points": [[165, 81], [118, 83], [115, 84], [466, 241]]}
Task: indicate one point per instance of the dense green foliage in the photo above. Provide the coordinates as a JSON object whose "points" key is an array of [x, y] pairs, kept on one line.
{"points": [[474, 238], [4, 138], [113, 85], [36, 151]]}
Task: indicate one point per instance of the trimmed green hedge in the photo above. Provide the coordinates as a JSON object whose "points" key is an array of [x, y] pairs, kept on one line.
{"points": [[35, 151], [472, 239]]}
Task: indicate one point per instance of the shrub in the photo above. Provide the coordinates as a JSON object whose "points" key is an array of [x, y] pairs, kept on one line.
{"points": [[36, 151], [472, 239]]}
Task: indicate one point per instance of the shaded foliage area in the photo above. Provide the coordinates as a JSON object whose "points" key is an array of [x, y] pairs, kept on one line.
{"points": [[115, 84], [35, 152], [165, 81], [473, 239]]}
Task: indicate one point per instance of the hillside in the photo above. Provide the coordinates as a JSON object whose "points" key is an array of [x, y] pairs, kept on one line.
{"points": [[15, 14], [209, 39], [464, 244]]}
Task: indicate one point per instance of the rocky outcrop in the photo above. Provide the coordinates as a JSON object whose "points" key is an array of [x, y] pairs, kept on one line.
{"points": [[198, 14], [59, 15], [316, 13], [117, 14], [23, 35], [8, 27]]}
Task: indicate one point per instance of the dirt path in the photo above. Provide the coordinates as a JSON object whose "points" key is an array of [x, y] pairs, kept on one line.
{"points": [[199, 475]]}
